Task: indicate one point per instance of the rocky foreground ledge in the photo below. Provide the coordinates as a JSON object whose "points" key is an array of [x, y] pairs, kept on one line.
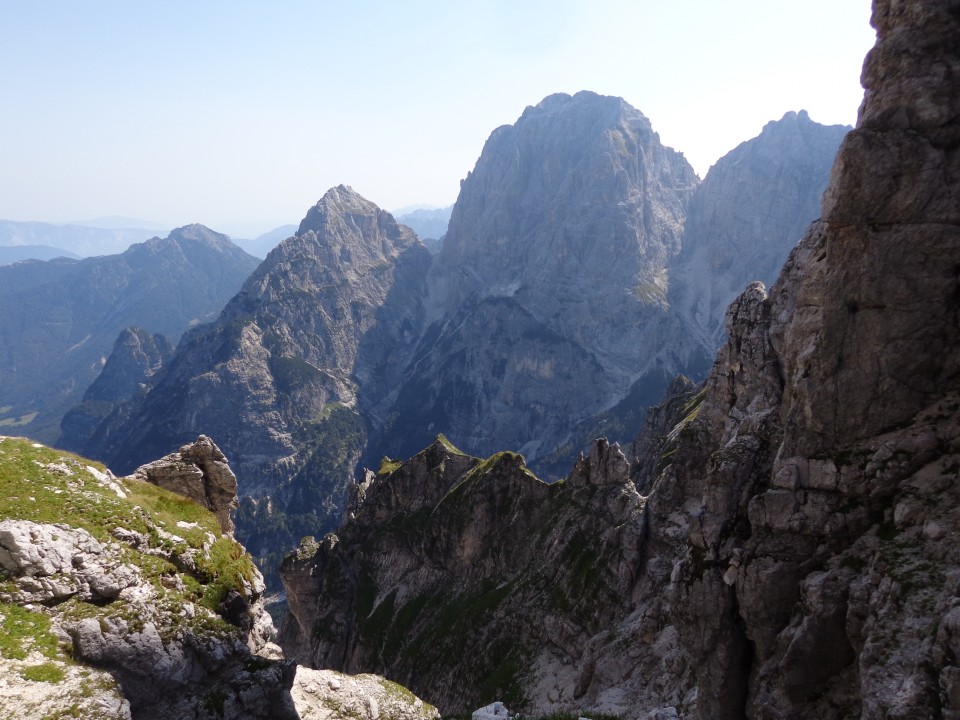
{"points": [[120, 599]]}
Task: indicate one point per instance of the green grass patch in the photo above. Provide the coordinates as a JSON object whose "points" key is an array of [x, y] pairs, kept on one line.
{"points": [[388, 466], [24, 630], [227, 567], [19, 421], [44, 672]]}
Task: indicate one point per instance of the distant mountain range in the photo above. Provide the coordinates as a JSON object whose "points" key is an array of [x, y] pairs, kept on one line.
{"points": [[70, 240], [33, 252], [429, 223], [566, 296], [61, 317]]}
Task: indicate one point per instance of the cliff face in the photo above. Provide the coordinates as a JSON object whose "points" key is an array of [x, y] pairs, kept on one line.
{"points": [[797, 550], [62, 317], [455, 575], [835, 584], [282, 377], [746, 216], [548, 297]]}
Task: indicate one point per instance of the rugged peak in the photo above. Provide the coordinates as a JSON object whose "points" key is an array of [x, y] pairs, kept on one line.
{"points": [[606, 464], [342, 206], [747, 214], [584, 104]]}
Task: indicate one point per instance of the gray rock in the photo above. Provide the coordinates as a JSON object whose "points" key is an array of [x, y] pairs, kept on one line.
{"points": [[53, 563], [435, 581], [200, 472]]}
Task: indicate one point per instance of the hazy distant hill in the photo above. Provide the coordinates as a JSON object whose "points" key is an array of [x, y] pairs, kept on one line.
{"points": [[263, 244], [428, 223], [81, 240], [33, 252], [60, 318]]}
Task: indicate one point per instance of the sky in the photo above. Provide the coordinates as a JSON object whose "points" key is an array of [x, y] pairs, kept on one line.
{"points": [[241, 114]]}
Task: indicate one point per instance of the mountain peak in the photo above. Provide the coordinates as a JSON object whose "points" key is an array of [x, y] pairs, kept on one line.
{"points": [[196, 232], [339, 202]]}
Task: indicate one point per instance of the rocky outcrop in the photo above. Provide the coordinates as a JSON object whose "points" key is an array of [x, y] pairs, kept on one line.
{"points": [[455, 575], [62, 317], [119, 599], [329, 695], [200, 472], [139, 583]]}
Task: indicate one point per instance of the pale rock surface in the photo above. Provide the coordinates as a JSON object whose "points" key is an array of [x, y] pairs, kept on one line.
{"points": [[493, 711], [55, 562], [200, 472], [329, 695]]}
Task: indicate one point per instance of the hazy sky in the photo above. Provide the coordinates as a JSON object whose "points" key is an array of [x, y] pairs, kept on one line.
{"points": [[242, 114]]}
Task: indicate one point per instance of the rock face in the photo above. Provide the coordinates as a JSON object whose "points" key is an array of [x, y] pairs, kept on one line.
{"points": [[796, 555], [61, 317], [746, 216], [200, 472], [137, 356], [454, 575], [329, 695], [548, 296], [283, 377]]}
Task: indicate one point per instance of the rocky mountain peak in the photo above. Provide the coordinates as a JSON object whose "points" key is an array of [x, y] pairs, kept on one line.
{"points": [[340, 206], [567, 161], [751, 208]]}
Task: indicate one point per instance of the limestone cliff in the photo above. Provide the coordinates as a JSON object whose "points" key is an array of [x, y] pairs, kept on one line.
{"points": [[747, 215], [455, 576], [548, 297], [797, 552]]}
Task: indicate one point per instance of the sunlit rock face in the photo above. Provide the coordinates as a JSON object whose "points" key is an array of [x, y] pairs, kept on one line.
{"points": [[747, 215], [585, 265]]}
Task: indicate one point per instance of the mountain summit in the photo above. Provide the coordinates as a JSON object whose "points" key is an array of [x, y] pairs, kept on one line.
{"points": [[276, 376]]}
